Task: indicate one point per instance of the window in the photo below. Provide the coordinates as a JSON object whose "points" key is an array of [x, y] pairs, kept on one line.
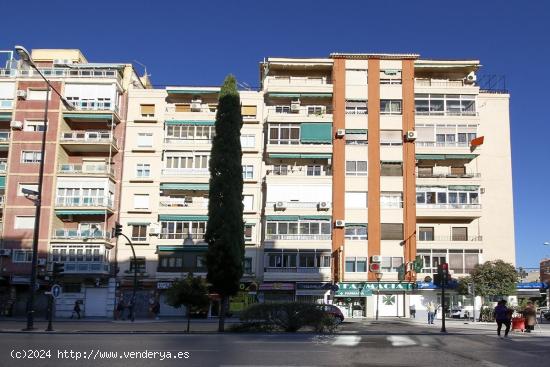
{"points": [[316, 110], [182, 107], [247, 265], [392, 231], [307, 260], [356, 107], [445, 104], [460, 261], [248, 141], [390, 107], [282, 109], [450, 197], [426, 234], [391, 200], [356, 137], [425, 171], [356, 232], [459, 233], [391, 137], [390, 76], [139, 232], [280, 169], [350, 265], [391, 168], [248, 172], [187, 161], [356, 76], [36, 94], [21, 186], [300, 229], [180, 229], [391, 264], [284, 134], [24, 222], [141, 201], [249, 111], [145, 140], [22, 256], [247, 233], [143, 170], [356, 264], [458, 171], [189, 132], [356, 200], [33, 125], [31, 156], [356, 168], [147, 110], [314, 170], [138, 262], [248, 202]]}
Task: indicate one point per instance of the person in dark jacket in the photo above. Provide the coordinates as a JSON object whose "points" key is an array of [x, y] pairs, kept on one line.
{"points": [[76, 309], [503, 316]]}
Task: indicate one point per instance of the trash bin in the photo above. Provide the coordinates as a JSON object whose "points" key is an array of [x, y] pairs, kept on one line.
{"points": [[518, 323]]}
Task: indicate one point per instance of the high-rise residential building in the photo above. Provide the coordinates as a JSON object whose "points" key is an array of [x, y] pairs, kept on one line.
{"points": [[82, 175]]}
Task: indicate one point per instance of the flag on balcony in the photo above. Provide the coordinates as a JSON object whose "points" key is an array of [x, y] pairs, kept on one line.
{"points": [[477, 141]]}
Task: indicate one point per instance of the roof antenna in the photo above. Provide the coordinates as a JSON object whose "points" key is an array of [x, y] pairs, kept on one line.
{"points": [[144, 68]]}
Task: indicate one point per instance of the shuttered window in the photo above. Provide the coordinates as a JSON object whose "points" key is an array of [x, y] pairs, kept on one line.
{"points": [[249, 111], [183, 107], [392, 231], [460, 234], [147, 110]]}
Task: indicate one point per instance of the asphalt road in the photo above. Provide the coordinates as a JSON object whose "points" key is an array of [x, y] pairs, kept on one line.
{"points": [[383, 344]]}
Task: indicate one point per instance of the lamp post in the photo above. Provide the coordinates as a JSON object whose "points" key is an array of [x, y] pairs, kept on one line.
{"points": [[378, 278], [26, 57]]}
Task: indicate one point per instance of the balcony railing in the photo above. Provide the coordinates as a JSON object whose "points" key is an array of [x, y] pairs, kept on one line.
{"points": [[296, 270], [78, 201], [185, 171], [450, 238], [439, 83], [298, 204], [444, 144], [173, 140], [448, 206], [298, 237], [297, 172], [6, 104], [86, 267], [73, 72], [94, 105], [182, 202], [86, 169], [204, 108], [446, 113], [4, 136], [181, 236], [91, 137], [74, 234], [297, 80], [448, 175], [301, 111]]}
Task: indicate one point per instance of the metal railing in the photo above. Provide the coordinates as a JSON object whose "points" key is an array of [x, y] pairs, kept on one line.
{"points": [[297, 80], [174, 140], [181, 236], [301, 172], [446, 113], [298, 204], [448, 175], [439, 83], [86, 267], [204, 108], [301, 111], [448, 206], [93, 105], [450, 238], [70, 234], [4, 136], [299, 237], [73, 72], [442, 143], [185, 171], [83, 201], [90, 169], [296, 270], [91, 137], [183, 203], [6, 104]]}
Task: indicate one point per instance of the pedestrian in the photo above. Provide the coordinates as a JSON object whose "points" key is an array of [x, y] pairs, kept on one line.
{"points": [[120, 309], [156, 309], [503, 316], [530, 314], [412, 311], [431, 312], [131, 309], [76, 309]]}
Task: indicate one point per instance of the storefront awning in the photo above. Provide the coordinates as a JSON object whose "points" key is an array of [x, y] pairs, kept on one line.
{"points": [[182, 218], [190, 122], [184, 186]]}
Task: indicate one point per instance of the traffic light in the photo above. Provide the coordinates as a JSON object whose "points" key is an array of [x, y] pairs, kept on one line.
{"points": [[443, 275], [58, 268], [118, 229]]}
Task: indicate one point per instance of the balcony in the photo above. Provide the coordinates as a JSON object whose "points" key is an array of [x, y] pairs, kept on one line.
{"points": [[440, 83], [89, 141], [86, 267], [286, 113], [298, 84], [299, 237], [86, 169], [185, 172], [73, 72], [78, 235], [433, 178], [454, 210], [300, 204], [297, 273], [453, 112], [83, 202], [93, 105], [434, 239], [183, 204]]}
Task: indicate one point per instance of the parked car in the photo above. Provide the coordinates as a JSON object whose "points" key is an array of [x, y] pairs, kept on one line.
{"points": [[462, 312], [334, 311]]}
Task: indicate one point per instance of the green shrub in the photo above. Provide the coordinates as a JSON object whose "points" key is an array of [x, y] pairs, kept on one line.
{"points": [[288, 316]]}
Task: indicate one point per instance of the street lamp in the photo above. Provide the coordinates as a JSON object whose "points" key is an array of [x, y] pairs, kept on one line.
{"points": [[378, 278], [26, 57]]}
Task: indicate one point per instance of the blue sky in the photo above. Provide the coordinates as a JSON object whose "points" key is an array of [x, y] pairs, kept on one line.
{"points": [[199, 42]]}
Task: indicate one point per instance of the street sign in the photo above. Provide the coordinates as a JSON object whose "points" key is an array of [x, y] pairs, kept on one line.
{"points": [[56, 291]]}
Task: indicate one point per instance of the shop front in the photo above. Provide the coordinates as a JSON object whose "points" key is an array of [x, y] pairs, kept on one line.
{"points": [[351, 298], [276, 292], [246, 296], [313, 292]]}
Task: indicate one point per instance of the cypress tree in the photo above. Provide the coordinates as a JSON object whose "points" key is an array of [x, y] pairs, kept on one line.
{"points": [[225, 230]]}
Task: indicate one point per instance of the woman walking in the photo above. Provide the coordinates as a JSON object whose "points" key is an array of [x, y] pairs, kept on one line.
{"points": [[530, 314], [503, 316]]}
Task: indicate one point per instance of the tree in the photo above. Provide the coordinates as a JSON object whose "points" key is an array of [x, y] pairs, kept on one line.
{"points": [[493, 278], [191, 292], [225, 230]]}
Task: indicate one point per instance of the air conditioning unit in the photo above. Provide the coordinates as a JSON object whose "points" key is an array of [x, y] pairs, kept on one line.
{"points": [[280, 205], [339, 223], [196, 104], [22, 94], [411, 135], [154, 230], [5, 252], [376, 259], [470, 78], [340, 133], [41, 261], [323, 205], [17, 125], [295, 106]]}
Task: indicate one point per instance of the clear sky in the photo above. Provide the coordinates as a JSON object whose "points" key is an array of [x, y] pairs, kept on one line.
{"points": [[199, 42]]}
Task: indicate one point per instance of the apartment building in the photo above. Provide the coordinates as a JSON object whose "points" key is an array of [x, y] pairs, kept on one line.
{"points": [[165, 182], [82, 176]]}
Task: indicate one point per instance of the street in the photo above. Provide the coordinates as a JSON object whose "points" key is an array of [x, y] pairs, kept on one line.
{"points": [[362, 343]]}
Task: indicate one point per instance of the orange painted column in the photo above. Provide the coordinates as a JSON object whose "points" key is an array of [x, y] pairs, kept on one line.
{"points": [[409, 164], [374, 227], [338, 166]]}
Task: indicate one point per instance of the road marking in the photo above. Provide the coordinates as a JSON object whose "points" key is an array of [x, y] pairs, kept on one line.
{"points": [[347, 340], [491, 364], [401, 341]]}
